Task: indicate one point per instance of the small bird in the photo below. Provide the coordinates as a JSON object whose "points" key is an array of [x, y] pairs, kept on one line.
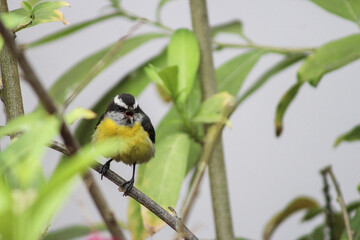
{"points": [[125, 120]]}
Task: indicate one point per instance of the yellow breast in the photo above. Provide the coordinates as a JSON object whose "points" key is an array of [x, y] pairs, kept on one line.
{"points": [[134, 142]]}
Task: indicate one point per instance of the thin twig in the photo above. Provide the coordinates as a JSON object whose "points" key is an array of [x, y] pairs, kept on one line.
{"points": [[101, 63], [137, 195], [341, 201], [72, 145], [328, 209]]}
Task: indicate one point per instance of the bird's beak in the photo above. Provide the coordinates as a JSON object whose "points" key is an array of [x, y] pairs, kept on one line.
{"points": [[129, 114]]}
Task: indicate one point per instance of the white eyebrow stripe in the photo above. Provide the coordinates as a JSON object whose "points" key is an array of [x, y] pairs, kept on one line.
{"points": [[118, 101], [135, 104]]}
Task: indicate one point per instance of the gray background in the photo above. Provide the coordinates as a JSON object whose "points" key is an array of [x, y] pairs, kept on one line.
{"points": [[264, 173]]}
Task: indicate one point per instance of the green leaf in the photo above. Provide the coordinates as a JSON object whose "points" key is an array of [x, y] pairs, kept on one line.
{"points": [[68, 30], [136, 226], [159, 8], [167, 170], [48, 12], [299, 203], [348, 9], [133, 83], [34, 2], [311, 213], [76, 76], [329, 57], [169, 77], [283, 64], [282, 106], [234, 27], [350, 136], [215, 109], [27, 7], [183, 51], [79, 113], [231, 75], [355, 227]]}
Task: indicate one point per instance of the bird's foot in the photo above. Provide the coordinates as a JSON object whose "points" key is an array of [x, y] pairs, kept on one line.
{"points": [[128, 186], [104, 168]]}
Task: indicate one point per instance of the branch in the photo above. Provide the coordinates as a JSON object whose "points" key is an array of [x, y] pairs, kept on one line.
{"points": [[341, 201], [212, 148], [173, 221], [328, 209], [70, 142]]}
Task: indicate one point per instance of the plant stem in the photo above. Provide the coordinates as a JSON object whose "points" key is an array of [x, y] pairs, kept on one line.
{"points": [[11, 92], [328, 209], [217, 171], [341, 201], [173, 221], [70, 142]]}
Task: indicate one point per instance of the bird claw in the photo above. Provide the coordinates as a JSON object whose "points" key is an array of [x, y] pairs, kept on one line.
{"points": [[104, 168], [127, 186]]}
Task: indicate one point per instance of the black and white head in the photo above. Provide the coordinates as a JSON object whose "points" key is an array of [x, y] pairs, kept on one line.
{"points": [[124, 110]]}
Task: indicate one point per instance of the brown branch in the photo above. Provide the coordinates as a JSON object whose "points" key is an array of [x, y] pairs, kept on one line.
{"points": [[72, 145], [137, 195], [341, 201]]}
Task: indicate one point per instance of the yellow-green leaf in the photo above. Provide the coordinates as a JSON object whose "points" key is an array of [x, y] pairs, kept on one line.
{"points": [[352, 135], [48, 12], [329, 57], [79, 113], [167, 171]]}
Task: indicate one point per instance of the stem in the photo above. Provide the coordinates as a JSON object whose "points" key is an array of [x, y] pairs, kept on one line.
{"points": [[72, 145], [328, 209], [11, 91], [341, 201], [173, 221], [273, 49], [217, 171]]}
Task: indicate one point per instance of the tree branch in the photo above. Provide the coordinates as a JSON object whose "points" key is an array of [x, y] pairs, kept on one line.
{"points": [[217, 170], [137, 195], [11, 90], [72, 145]]}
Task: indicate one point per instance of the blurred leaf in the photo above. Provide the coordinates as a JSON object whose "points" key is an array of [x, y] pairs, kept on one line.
{"points": [[215, 109], [312, 213], [282, 106], [329, 57], [26, 6], [133, 83], [73, 232], [299, 203], [167, 169], [48, 12], [234, 27], [136, 226], [79, 113], [68, 30], [183, 51], [353, 206], [352, 135], [34, 2], [11, 20], [355, 227], [288, 61], [20, 160], [231, 75], [169, 77], [348, 9], [75, 76]]}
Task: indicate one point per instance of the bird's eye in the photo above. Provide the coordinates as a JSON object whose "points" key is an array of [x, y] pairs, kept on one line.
{"points": [[122, 109]]}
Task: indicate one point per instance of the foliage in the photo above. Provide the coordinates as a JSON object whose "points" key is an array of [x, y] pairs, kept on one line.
{"points": [[29, 200]]}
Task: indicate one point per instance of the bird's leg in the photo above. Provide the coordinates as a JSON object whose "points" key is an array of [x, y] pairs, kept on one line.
{"points": [[130, 184], [105, 167]]}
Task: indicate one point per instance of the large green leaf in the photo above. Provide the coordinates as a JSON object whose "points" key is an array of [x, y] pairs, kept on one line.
{"points": [[329, 57], [168, 170], [183, 51], [348, 9], [231, 75], [133, 83], [68, 30], [298, 204], [352, 135], [78, 74], [283, 104]]}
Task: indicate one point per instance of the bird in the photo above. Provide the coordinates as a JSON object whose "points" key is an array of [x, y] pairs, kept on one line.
{"points": [[124, 120]]}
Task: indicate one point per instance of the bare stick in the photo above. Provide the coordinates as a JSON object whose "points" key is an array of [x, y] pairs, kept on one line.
{"points": [[137, 195], [70, 142], [341, 201]]}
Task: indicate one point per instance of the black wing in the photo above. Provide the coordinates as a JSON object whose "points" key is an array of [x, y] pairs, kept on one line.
{"points": [[148, 127]]}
